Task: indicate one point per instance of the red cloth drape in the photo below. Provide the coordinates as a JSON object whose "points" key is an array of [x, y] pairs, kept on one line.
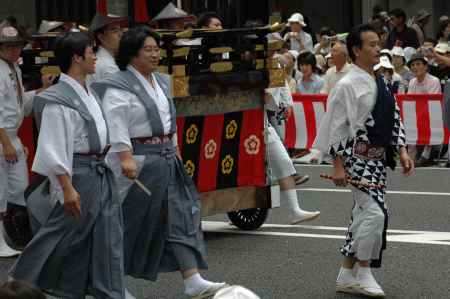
{"points": [[140, 11], [102, 7]]}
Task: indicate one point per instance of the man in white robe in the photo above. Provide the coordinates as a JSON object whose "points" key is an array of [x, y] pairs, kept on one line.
{"points": [[77, 248], [361, 130], [107, 31], [15, 103]]}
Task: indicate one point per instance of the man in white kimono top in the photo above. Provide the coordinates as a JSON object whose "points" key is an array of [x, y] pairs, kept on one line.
{"points": [[77, 248], [15, 103], [361, 130], [107, 31]]}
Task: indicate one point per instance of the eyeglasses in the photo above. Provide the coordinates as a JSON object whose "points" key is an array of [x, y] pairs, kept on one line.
{"points": [[115, 30]]}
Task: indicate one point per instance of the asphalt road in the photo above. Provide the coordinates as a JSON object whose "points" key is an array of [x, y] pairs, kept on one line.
{"points": [[281, 261]]}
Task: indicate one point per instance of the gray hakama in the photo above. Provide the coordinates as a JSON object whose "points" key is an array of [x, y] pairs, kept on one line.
{"points": [[69, 257], [72, 257], [162, 232]]}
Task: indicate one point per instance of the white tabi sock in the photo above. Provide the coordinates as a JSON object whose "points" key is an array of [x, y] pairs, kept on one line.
{"points": [[364, 272], [195, 284], [5, 250], [345, 275], [128, 295], [290, 196], [426, 154]]}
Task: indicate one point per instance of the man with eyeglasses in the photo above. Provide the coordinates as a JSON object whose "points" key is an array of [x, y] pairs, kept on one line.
{"points": [[107, 31]]}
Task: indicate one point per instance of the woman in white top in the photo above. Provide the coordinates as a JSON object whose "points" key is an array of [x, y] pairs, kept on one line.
{"points": [[162, 219]]}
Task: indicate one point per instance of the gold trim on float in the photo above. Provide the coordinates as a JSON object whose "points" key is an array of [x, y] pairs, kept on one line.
{"points": [[48, 54], [277, 27], [179, 70], [272, 63], [221, 67], [259, 64], [181, 52], [259, 47], [275, 45], [276, 78], [185, 34], [163, 69], [51, 70], [221, 50], [180, 87]]}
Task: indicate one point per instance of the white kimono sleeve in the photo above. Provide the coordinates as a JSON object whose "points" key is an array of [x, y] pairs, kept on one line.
{"points": [[3, 90], [116, 109], [54, 154], [335, 133], [28, 98]]}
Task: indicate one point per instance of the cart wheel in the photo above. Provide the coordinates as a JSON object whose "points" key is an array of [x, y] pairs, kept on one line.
{"points": [[250, 219]]}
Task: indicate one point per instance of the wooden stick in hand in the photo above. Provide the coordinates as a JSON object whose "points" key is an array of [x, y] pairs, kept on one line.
{"points": [[354, 182]]}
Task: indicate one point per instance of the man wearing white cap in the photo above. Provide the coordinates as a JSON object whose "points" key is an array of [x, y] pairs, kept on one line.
{"points": [[299, 39], [441, 70]]}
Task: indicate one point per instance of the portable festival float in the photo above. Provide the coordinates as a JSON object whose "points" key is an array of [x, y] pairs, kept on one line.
{"points": [[218, 83], [219, 78]]}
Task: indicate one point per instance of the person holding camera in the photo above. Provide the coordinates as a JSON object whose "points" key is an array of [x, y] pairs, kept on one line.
{"points": [[300, 41], [327, 38]]}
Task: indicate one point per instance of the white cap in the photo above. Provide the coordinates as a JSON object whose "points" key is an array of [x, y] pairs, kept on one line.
{"points": [[235, 292], [297, 18], [409, 51], [385, 51], [398, 51], [384, 62], [294, 53], [442, 48]]}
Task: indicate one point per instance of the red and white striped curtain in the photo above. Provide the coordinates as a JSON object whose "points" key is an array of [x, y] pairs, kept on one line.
{"points": [[422, 115], [302, 126]]}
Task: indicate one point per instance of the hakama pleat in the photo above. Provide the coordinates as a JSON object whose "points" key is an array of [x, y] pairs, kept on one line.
{"points": [[70, 258], [162, 231]]}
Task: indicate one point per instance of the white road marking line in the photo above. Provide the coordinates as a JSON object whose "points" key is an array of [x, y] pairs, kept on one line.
{"points": [[388, 192], [339, 228], [331, 166], [405, 236]]}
